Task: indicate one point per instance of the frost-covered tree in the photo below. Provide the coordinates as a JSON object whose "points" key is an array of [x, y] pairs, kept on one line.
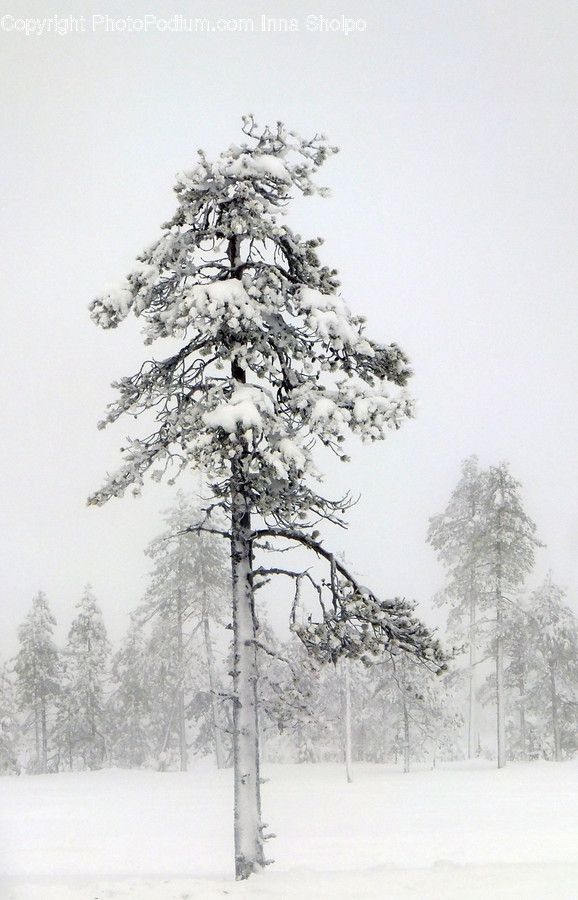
{"points": [[132, 701], [486, 540], [420, 713], [190, 588], [36, 668], [457, 537], [509, 545], [265, 361], [519, 678], [554, 629], [82, 720], [10, 735]]}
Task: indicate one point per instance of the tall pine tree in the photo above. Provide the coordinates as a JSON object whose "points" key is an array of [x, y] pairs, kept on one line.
{"points": [[36, 668], [457, 537], [554, 633], [508, 557], [10, 735], [270, 362], [82, 707], [132, 701], [486, 541]]}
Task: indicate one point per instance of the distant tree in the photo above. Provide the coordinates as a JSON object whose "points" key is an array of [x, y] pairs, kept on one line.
{"points": [[132, 702], [554, 634], [270, 362], [36, 668], [486, 540], [291, 720], [169, 676], [519, 678], [508, 557], [422, 712], [190, 589], [82, 716], [10, 735], [457, 537]]}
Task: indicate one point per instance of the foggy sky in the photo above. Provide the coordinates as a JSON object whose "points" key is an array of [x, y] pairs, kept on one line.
{"points": [[452, 221]]}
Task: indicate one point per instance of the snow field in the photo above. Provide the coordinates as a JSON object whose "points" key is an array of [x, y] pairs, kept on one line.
{"points": [[460, 832]]}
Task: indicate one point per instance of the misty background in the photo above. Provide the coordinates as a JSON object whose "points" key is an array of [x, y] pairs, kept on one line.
{"points": [[453, 224]]}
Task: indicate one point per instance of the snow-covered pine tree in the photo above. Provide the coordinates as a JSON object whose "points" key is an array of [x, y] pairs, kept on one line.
{"points": [[519, 679], [508, 556], [486, 541], [131, 703], [83, 726], [9, 725], [169, 675], [270, 362], [457, 537], [555, 684], [36, 668], [190, 588], [419, 714]]}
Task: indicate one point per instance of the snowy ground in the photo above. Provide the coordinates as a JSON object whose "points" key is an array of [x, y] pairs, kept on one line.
{"points": [[456, 833]]}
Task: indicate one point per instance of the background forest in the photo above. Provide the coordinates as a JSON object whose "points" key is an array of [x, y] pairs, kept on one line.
{"points": [[164, 696]]}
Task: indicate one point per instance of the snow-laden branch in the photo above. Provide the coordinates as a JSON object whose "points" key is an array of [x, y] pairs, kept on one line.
{"points": [[357, 624]]}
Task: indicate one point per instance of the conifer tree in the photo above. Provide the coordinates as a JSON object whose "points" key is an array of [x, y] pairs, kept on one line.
{"points": [[486, 540], [554, 633], [190, 589], [457, 537], [270, 362], [10, 735], [82, 706], [508, 556], [519, 678], [36, 668], [132, 701]]}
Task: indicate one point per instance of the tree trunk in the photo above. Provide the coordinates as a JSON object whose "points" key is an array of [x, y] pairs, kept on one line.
{"points": [[347, 719], [217, 730], [248, 829], [555, 714], [522, 689], [472, 723], [69, 742], [181, 690], [37, 732], [501, 712], [406, 741], [44, 740]]}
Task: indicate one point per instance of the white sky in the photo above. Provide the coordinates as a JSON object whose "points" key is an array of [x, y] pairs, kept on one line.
{"points": [[453, 223]]}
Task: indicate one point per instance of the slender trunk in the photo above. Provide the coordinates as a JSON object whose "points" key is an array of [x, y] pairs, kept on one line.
{"points": [[472, 723], [347, 719], [555, 714], [70, 754], [37, 732], [500, 698], [406, 741], [217, 730], [248, 828], [522, 689], [501, 712], [44, 740], [181, 690], [299, 738]]}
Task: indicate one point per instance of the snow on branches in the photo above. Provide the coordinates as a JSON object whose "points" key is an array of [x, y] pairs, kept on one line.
{"points": [[240, 289], [271, 363], [354, 622]]}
